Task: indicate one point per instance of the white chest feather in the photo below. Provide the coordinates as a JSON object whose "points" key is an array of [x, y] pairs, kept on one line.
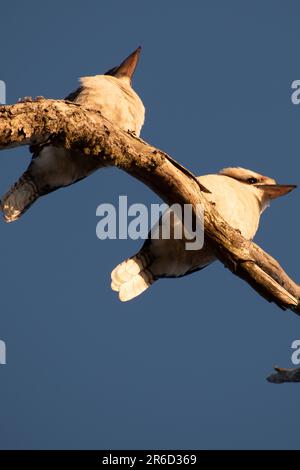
{"points": [[236, 202]]}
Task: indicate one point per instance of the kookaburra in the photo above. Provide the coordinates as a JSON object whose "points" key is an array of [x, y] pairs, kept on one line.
{"points": [[239, 195], [54, 167]]}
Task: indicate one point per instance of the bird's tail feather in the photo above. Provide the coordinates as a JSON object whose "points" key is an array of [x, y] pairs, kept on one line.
{"points": [[19, 198], [132, 277]]}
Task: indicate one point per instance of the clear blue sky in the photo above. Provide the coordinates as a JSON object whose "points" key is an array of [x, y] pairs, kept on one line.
{"points": [[184, 365]]}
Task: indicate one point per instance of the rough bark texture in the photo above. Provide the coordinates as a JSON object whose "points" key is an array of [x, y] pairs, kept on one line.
{"points": [[284, 375], [72, 126]]}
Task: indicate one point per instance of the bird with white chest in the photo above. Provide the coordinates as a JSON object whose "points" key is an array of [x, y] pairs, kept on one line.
{"points": [[55, 167], [239, 195]]}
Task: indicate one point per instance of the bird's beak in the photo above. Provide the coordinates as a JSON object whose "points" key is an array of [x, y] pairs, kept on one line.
{"points": [[273, 191], [127, 67]]}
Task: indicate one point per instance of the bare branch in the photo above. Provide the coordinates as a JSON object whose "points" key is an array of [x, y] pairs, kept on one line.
{"points": [[284, 375], [72, 126]]}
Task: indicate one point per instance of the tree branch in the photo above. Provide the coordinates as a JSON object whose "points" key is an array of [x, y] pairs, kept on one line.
{"points": [[72, 126], [284, 375]]}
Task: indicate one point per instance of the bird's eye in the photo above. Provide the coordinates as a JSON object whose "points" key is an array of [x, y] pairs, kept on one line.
{"points": [[252, 180]]}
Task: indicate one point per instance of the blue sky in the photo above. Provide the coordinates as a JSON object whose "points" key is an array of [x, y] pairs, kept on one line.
{"points": [[184, 365]]}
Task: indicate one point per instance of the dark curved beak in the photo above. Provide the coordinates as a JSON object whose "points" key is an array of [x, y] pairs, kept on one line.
{"points": [[127, 67], [273, 191]]}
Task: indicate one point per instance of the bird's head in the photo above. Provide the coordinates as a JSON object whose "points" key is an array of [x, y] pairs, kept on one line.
{"points": [[265, 188], [126, 69]]}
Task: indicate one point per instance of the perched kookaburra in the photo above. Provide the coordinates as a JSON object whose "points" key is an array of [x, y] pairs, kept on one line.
{"points": [[239, 195], [54, 167]]}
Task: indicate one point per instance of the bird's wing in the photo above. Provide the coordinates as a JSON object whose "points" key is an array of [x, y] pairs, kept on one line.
{"points": [[191, 271], [74, 94]]}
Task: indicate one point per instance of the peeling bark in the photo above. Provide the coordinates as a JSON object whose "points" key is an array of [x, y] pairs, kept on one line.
{"points": [[284, 375]]}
